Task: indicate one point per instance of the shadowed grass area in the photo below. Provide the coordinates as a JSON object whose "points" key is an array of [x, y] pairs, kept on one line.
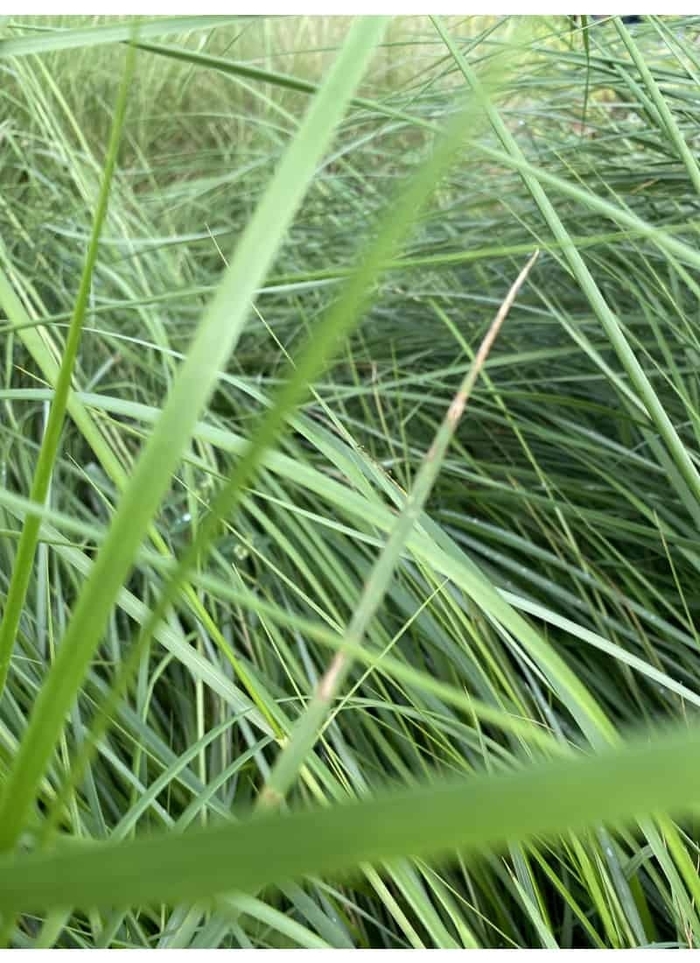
{"points": [[304, 246]]}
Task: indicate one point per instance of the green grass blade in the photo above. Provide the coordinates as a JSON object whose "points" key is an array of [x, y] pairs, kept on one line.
{"points": [[26, 549], [215, 338], [649, 775], [293, 755], [93, 36]]}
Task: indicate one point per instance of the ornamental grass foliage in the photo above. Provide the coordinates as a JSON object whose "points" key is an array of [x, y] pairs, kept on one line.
{"points": [[349, 484]]}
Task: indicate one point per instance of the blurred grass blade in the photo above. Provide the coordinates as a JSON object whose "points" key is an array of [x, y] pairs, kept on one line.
{"points": [[97, 35], [650, 774], [24, 559], [284, 81], [215, 337]]}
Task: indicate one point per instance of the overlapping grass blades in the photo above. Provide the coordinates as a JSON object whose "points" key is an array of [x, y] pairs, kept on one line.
{"points": [[215, 337], [542, 604]]}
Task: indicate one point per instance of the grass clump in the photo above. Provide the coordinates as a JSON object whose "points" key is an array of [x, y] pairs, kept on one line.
{"points": [[312, 224]]}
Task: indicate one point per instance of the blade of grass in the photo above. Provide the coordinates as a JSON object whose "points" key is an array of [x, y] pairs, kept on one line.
{"points": [[24, 559], [329, 334], [647, 775], [216, 336], [305, 734], [96, 35]]}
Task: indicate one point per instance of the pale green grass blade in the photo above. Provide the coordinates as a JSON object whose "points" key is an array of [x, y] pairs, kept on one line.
{"points": [[216, 336], [24, 560], [96, 35], [249, 72]]}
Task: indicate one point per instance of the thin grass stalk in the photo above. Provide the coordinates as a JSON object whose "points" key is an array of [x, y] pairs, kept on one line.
{"points": [[26, 549], [306, 732]]}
